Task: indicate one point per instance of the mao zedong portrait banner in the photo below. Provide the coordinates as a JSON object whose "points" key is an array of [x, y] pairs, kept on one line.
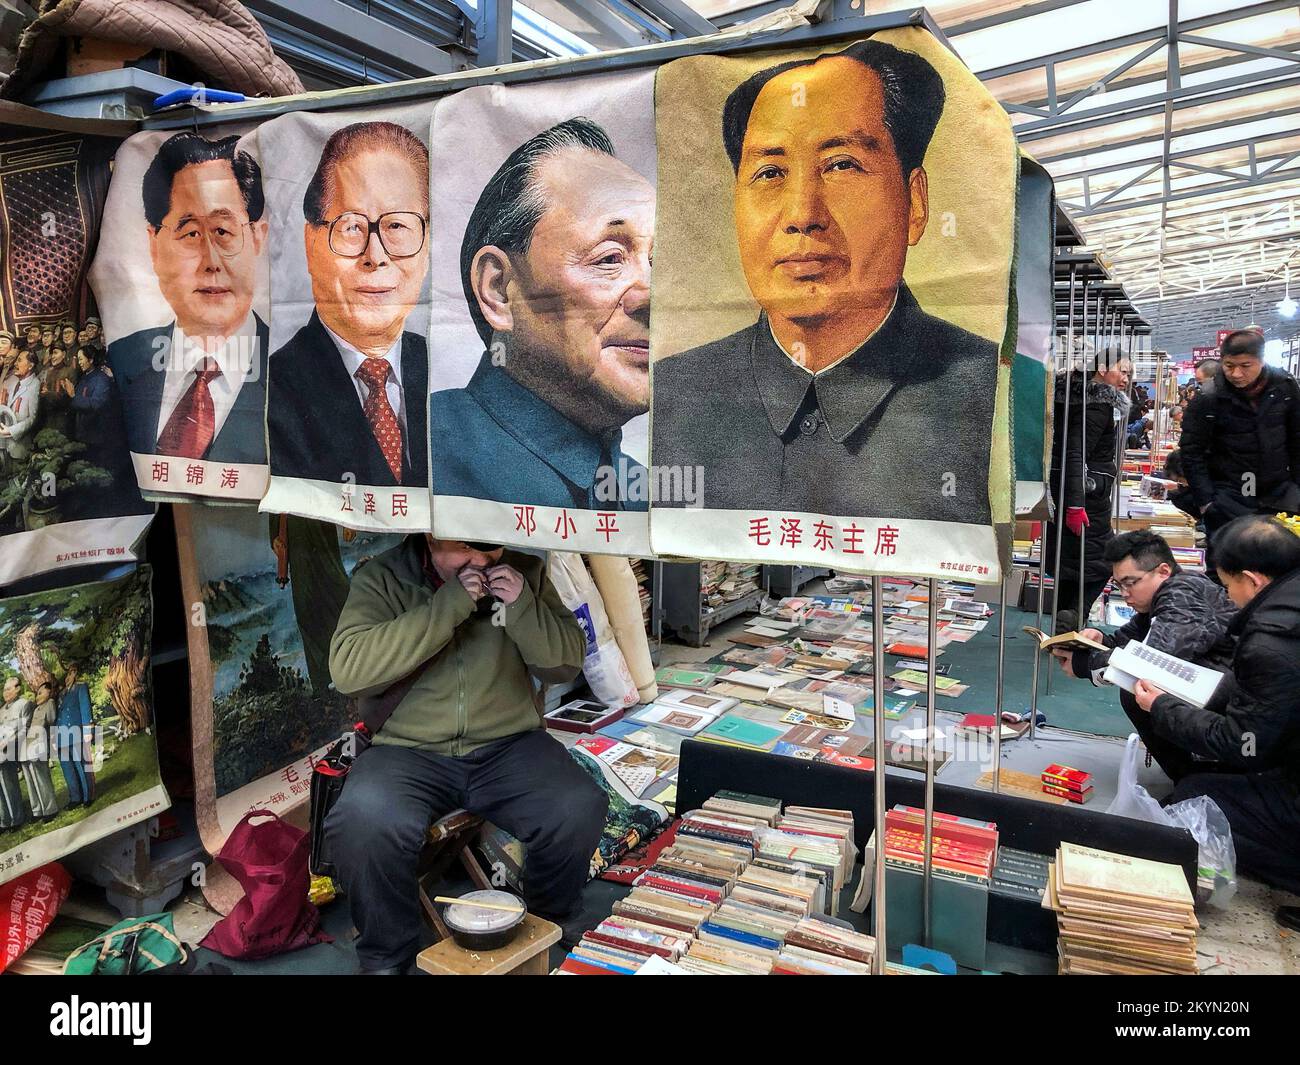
{"points": [[67, 491], [543, 204], [348, 198], [181, 273], [830, 291]]}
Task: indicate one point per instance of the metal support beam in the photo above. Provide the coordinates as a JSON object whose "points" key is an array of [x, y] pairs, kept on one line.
{"points": [[344, 26], [494, 32], [681, 19], [604, 15]]}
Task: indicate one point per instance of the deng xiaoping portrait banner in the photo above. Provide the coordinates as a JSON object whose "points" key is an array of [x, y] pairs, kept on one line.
{"points": [[833, 256], [543, 213], [67, 490], [348, 200], [181, 275], [78, 757]]}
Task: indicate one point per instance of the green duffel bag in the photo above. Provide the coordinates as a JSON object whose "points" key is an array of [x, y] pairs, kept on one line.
{"points": [[136, 945]]}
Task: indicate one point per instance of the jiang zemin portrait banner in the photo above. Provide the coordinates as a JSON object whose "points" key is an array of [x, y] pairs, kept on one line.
{"points": [[543, 202], [181, 272], [830, 293], [348, 198]]}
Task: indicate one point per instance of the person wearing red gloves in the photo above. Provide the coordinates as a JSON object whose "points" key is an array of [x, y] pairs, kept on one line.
{"points": [[1089, 457]]}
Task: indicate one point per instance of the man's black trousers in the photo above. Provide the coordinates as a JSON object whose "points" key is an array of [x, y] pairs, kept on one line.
{"points": [[528, 785]]}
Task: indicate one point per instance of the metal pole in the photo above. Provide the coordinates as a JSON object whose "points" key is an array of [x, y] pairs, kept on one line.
{"points": [[1002, 658], [1121, 432], [1079, 621], [931, 674], [878, 769], [1038, 624], [1059, 517], [1157, 436]]}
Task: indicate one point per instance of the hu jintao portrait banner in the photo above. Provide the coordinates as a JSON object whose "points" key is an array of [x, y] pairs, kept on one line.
{"points": [[543, 204], [181, 273], [833, 257], [348, 203]]}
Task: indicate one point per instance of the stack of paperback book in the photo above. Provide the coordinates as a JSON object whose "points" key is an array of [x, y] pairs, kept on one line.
{"points": [[1121, 915], [744, 888], [963, 848], [1067, 783]]}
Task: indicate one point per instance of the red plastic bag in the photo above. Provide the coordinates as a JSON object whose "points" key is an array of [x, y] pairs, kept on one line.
{"points": [[27, 906], [269, 859]]}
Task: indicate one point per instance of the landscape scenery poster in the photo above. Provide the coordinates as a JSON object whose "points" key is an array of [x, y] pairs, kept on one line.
{"points": [[265, 592], [78, 751]]}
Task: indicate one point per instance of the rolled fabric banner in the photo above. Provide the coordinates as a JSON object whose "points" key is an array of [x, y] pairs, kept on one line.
{"points": [[618, 588]]}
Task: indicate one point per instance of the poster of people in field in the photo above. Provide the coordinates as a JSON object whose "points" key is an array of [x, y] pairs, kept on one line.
{"points": [[78, 753]]}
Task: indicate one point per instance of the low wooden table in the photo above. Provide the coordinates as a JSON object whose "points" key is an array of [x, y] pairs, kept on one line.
{"points": [[525, 955]]}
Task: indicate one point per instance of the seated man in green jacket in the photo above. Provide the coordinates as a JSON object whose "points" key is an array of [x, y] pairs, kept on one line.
{"points": [[471, 620]]}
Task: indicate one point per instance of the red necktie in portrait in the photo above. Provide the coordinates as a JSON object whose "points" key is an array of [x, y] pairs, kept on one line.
{"points": [[193, 423], [379, 413]]}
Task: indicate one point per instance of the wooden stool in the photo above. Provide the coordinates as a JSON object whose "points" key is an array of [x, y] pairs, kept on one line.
{"points": [[525, 955], [449, 839]]}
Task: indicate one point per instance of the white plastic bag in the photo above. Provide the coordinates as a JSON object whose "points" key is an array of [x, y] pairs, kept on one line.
{"points": [[1217, 859], [603, 663], [1131, 798], [1216, 856]]}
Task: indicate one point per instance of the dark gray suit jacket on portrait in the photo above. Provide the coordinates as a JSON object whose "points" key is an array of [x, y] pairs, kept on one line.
{"points": [[872, 436], [243, 433], [494, 439], [315, 423]]}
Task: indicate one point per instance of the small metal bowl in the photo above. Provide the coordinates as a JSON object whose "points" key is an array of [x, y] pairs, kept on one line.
{"points": [[475, 928]]}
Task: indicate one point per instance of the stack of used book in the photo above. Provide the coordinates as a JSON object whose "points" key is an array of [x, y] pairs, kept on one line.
{"points": [[963, 848], [1120, 915], [725, 582], [1067, 783], [744, 888], [1020, 874], [641, 571], [963, 855]]}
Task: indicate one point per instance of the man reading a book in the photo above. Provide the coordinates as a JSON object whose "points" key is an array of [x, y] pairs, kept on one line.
{"points": [[443, 636], [1182, 613], [1248, 734]]}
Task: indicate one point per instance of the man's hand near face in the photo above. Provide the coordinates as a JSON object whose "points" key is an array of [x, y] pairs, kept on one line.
{"points": [[474, 581], [505, 582]]}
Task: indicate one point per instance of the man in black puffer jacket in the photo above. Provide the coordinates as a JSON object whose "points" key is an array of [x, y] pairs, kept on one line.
{"points": [[1241, 437], [1090, 463], [1250, 729], [1181, 613]]}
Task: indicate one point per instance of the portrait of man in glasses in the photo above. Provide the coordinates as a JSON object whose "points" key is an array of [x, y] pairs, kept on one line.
{"points": [[195, 387], [349, 390]]}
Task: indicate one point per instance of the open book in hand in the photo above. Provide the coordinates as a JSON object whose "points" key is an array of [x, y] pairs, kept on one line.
{"points": [[1182, 679], [1066, 641]]}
